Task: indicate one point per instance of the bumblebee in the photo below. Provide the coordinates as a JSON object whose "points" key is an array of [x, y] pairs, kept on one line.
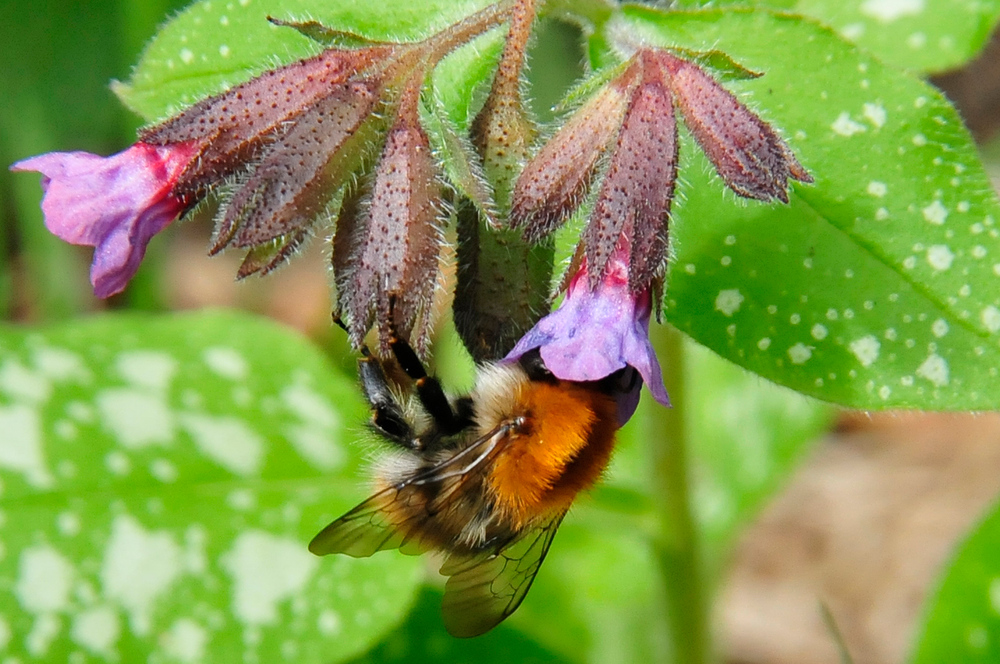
{"points": [[485, 478]]}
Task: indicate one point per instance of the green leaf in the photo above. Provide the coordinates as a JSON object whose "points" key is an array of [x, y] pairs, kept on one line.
{"points": [[922, 35], [161, 479], [720, 64], [325, 36], [963, 618], [875, 287], [422, 638], [213, 45]]}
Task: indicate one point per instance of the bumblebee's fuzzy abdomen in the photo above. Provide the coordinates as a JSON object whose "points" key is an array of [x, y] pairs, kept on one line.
{"points": [[563, 448]]}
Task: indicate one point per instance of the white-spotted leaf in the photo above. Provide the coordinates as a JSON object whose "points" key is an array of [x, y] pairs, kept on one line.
{"points": [[921, 35], [161, 478], [877, 286], [214, 44]]}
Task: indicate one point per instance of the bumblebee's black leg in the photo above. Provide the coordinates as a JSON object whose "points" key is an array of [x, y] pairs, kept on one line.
{"points": [[387, 415], [449, 420], [533, 365]]}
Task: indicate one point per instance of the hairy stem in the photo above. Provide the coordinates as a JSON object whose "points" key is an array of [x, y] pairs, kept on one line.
{"points": [[677, 548], [467, 29]]}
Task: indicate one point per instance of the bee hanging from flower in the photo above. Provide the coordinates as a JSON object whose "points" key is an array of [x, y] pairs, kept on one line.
{"points": [[486, 478]]}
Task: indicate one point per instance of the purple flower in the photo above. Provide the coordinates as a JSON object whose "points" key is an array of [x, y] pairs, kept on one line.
{"points": [[594, 333], [115, 204]]}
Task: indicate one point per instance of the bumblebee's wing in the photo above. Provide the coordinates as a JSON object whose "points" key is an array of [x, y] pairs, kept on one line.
{"points": [[362, 531], [484, 589], [369, 527]]}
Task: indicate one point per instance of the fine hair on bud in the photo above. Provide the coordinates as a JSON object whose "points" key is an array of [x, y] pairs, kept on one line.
{"points": [[634, 199], [747, 153], [554, 182]]}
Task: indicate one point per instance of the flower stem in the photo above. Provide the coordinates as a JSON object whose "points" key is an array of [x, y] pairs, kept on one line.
{"points": [[677, 548], [468, 29]]}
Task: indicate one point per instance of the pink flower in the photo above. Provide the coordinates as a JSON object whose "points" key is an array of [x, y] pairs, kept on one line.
{"points": [[115, 204], [595, 333]]}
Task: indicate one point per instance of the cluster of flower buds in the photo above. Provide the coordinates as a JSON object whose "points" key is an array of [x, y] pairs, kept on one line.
{"points": [[339, 136], [602, 323], [291, 148], [633, 117]]}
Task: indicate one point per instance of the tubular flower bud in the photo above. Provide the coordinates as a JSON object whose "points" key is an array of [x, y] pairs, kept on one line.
{"points": [[115, 204], [502, 131], [118, 203], [554, 182], [502, 279], [633, 118], [747, 153], [287, 144], [599, 330], [291, 185], [234, 128], [635, 195], [395, 262]]}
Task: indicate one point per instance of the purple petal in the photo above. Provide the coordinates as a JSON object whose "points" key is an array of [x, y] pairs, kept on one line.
{"points": [[595, 333], [115, 203]]}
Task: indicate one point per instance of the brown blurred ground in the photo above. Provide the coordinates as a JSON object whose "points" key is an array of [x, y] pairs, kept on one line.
{"points": [[297, 294], [863, 527]]}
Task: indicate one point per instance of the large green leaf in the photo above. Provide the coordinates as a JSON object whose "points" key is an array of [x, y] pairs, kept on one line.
{"points": [[963, 618], [877, 286], [922, 35], [213, 45], [161, 478]]}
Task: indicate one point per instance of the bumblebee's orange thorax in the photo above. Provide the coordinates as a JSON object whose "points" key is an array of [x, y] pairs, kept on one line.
{"points": [[563, 448]]}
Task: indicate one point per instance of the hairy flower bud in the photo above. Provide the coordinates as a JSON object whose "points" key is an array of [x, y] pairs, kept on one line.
{"points": [[288, 144], [502, 131], [234, 127], [635, 195], [554, 182], [503, 279], [301, 171], [747, 153], [395, 273]]}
